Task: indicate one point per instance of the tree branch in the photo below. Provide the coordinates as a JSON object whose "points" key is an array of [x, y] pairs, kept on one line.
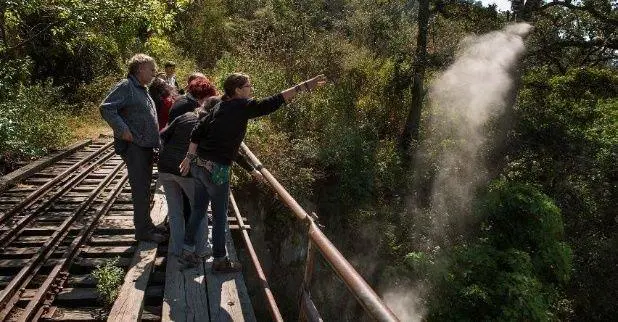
{"points": [[25, 41], [588, 9], [607, 43]]}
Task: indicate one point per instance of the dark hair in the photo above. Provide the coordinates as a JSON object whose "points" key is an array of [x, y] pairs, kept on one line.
{"points": [[232, 82], [169, 64], [201, 87], [158, 88]]}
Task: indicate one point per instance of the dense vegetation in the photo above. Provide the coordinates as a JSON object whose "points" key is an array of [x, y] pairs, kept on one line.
{"points": [[538, 244]]}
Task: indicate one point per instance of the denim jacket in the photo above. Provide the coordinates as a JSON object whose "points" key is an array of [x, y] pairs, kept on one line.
{"points": [[129, 106]]}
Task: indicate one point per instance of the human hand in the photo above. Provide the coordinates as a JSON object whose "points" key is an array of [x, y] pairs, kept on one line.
{"points": [[127, 136], [316, 81], [184, 167]]}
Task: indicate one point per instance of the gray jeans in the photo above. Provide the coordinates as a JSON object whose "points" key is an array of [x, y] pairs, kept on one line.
{"points": [[139, 167], [174, 186]]}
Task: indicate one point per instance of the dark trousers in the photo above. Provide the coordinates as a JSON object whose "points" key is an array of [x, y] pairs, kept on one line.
{"points": [[139, 165]]}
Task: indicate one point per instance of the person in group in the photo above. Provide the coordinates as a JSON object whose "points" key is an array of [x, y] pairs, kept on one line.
{"points": [[179, 190], [131, 113], [163, 96], [188, 102], [214, 144], [170, 75]]}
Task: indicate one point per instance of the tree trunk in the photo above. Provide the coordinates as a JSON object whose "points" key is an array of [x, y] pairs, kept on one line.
{"points": [[411, 130], [3, 39]]}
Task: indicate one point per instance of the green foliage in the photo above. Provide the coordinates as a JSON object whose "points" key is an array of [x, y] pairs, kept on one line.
{"points": [[109, 278], [13, 73], [75, 41], [32, 121], [513, 271], [566, 141], [521, 217]]}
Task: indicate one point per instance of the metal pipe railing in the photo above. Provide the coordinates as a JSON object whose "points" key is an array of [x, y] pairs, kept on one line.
{"points": [[272, 305], [365, 295]]}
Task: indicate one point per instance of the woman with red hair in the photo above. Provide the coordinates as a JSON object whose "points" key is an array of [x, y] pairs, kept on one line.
{"points": [[198, 91]]}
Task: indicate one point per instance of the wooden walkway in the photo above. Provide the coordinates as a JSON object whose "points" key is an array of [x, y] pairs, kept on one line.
{"points": [[194, 294]]}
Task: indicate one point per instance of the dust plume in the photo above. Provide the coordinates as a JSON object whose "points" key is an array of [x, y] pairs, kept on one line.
{"points": [[480, 86]]}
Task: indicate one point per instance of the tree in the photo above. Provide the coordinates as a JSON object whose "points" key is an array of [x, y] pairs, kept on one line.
{"points": [[411, 128]]}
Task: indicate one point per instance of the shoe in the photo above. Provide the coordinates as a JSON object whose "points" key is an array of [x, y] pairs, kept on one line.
{"points": [[226, 265], [154, 237], [188, 259]]}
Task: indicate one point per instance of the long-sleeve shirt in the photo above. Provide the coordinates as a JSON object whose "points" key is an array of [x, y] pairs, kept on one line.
{"points": [[219, 136], [176, 143], [128, 106], [182, 105]]}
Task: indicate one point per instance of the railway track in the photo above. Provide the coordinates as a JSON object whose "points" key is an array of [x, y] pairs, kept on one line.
{"points": [[56, 225]]}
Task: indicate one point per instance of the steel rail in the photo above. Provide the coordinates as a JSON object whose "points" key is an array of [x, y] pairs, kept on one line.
{"points": [[39, 193], [272, 304], [13, 232], [24, 172], [33, 310], [365, 295], [45, 252]]}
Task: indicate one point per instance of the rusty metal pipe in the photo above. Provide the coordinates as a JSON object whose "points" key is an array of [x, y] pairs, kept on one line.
{"points": [[355, 283], [270, 298], [365, 295], [283, 194]]}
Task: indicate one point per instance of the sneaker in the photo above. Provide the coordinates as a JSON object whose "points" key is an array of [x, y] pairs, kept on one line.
{"points": [[188, 259], [225, 265]]}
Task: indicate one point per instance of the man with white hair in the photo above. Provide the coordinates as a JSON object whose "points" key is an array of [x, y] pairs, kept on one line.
{"points": [[131, 113]]}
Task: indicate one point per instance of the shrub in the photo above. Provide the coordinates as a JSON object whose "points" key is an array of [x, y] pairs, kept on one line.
{"points": [[517, 268], [109, 277], [33, 121]]}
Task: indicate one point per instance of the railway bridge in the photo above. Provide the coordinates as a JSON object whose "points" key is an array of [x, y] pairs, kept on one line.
{"points": [[70, 212]]}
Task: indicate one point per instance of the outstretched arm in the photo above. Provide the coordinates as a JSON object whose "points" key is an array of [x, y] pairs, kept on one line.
{"points": [[305, 86], [261, 107]]}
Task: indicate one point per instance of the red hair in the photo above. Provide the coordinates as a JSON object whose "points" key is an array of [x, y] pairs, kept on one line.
{"points": [[201, 87]]}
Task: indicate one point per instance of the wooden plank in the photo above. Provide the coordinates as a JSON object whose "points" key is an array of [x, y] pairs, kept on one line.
{"points": [[31, 168], [228, 297], [110, 251], [103, 239], [130, 302], [185, 297]]}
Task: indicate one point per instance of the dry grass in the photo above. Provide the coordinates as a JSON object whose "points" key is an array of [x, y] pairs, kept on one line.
{"points": [[89, 125]]}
